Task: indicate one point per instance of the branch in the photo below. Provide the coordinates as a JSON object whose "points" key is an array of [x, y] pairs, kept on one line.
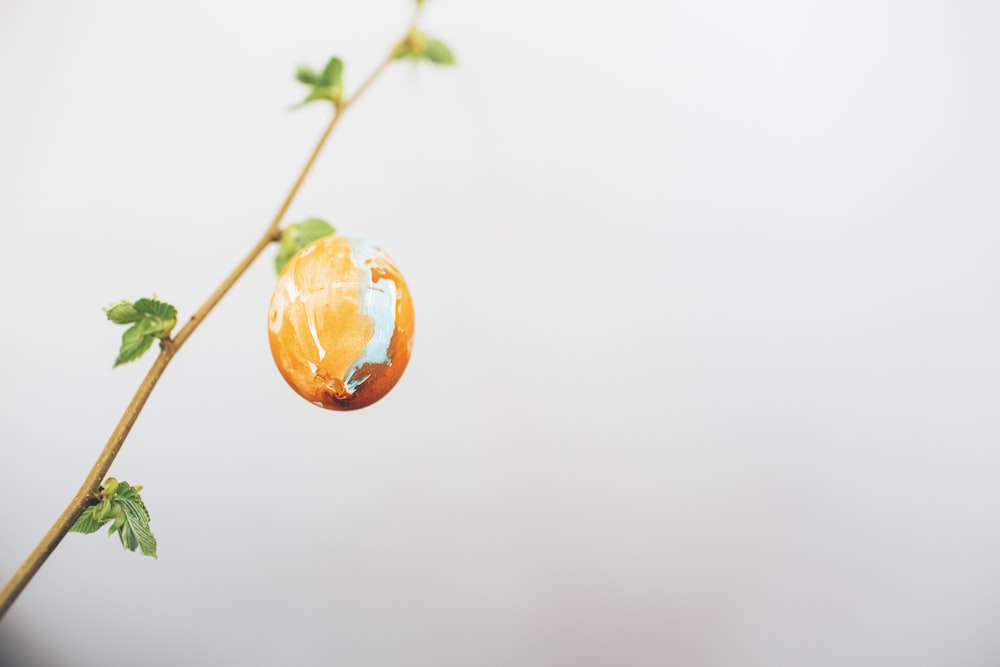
{"points": [[92, 484]]}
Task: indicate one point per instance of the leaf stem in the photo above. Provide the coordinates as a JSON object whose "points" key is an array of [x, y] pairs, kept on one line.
{"points": [[92, 484]]}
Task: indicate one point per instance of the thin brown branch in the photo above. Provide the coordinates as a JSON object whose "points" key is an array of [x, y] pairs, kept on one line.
{"points": [[385, 61], [99, 471]]}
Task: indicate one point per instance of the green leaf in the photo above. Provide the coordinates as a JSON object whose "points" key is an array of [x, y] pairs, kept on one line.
{"points": [[155, 308], [296, 237], [314, 95], [310, 230], [325, 85], [150, 319], [158, 318], [123, 506], [109, 489], [135, 342], [102, 510], [332, 72], [117, 518], [418, 46], [307, 75], [135, 531], [87, 522], [439, 53], [122, 312]]}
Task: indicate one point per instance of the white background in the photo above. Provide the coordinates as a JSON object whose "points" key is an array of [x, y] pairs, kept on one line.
{"points": [[706, 369]]}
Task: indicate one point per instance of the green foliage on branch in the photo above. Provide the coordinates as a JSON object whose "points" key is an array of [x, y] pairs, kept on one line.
{"points": [[150, 320], [325, 85], [418, 46], [121, 505]]}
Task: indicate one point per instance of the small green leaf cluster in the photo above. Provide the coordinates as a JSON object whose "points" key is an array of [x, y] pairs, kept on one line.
{"points": [[150, 320], [298, 236], [418, 46], [120, 504], [325, 85]]}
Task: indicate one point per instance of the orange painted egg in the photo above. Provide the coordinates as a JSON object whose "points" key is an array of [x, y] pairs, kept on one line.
{"points": [[341, 323]]}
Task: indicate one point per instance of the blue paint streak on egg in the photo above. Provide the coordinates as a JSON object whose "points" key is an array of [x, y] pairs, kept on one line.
{"points": [[377, 300]]}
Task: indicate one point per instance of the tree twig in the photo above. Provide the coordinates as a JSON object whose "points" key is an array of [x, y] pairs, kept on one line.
{"points": [[168, 348]]}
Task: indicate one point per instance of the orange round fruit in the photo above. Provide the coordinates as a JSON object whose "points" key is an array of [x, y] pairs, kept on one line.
{"points": [[341, 323]]}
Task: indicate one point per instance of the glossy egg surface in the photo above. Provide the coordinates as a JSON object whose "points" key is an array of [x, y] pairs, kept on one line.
{"points": [[341, 323]]}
